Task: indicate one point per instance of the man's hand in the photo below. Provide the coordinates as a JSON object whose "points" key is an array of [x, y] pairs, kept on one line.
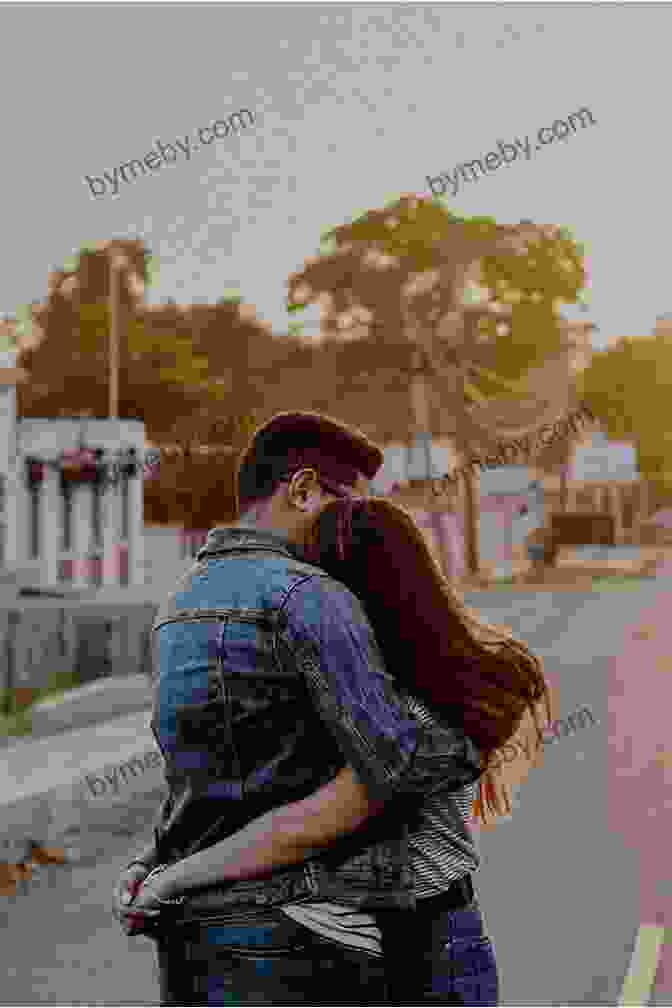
{"points": [[150, 896], [125, 892]]}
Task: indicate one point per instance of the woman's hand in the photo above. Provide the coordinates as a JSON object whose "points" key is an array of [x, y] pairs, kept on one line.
{"points": [[125, 891], [154, 889], [145, 905]]}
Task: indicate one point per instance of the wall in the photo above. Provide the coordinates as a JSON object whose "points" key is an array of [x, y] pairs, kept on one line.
{"points": [[165, 556], [41, 638], [101, 636]]}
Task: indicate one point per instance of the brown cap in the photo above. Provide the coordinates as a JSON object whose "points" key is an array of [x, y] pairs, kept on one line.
{"points": [[340, 452]]}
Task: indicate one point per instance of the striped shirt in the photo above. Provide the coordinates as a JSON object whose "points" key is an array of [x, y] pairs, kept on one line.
{"points": [[438, 854]]}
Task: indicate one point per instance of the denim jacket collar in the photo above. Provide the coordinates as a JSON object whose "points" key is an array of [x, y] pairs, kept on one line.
{"points": [[242, 536]]}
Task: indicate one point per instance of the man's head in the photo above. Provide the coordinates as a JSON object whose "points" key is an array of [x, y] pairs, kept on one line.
{"points": [[295, 465]]}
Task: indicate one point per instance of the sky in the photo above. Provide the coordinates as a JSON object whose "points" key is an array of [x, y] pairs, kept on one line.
{"points": [[353, 106]]}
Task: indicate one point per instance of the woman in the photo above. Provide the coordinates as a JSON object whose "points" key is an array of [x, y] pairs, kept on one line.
{"points": [[454, 668], [449, 664], [377, 550]]}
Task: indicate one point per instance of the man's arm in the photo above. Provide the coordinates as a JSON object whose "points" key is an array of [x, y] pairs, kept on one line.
{"points": [[282, 837]]}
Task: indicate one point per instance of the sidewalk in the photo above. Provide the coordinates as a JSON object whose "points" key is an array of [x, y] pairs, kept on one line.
{"points": [[74, 790]]}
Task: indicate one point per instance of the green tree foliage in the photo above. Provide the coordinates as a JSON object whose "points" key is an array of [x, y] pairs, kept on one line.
{"points": [[165, 349], [534, 285], [159, 377], [420, 236], [363, 268], [628, 387]]}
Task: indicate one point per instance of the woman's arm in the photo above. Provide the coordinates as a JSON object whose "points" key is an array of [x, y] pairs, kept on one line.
{"points": [[285, 836]]}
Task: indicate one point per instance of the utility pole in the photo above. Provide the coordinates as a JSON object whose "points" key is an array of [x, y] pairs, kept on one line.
{"points": [[423, 437], [472, 520], [116, 263], [564, 477], [423, 364]]}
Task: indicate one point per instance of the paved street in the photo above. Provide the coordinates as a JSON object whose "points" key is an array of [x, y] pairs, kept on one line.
{"points": [[560, 883], [61, 945]]}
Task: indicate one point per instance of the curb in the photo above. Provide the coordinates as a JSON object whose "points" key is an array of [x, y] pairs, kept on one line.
{"points": [[64, 798], [102, 700]]}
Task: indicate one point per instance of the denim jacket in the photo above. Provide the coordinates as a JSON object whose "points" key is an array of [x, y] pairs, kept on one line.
{"points": [[268, 680]]}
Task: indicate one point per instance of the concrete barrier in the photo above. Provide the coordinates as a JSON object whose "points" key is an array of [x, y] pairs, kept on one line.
{"points": [[98, 701], [41, 644], [77, 790], [42, 639]]}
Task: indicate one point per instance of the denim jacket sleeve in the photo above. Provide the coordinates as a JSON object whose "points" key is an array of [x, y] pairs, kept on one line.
{"points": [[390, 750]]}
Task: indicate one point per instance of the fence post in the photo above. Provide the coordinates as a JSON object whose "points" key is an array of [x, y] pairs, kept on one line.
{"points": [[81, 533], [9, 685], [49, 531], [109, 508], [135, 539]]}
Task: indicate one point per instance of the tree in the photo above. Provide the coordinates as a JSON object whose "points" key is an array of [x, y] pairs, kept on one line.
{"points": [[77, 334], [72, 325], [407, 265], [401, 276], [628, 388]]}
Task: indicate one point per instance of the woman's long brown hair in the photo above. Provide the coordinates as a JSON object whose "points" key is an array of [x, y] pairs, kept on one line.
{"points": [[431, 643]]}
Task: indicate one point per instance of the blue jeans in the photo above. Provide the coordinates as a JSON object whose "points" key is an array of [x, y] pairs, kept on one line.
{"points": [[445, 960], [440, 958], [274, 962]]}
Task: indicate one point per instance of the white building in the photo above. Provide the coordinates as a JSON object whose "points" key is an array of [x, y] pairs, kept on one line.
{"points": [[404, 462], [598, 460], [84, 536]]}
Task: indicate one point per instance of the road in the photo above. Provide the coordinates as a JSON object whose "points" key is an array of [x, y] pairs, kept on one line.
{"points": [[560, 883]]}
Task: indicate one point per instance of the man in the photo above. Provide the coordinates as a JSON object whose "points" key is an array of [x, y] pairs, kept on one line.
{"points": [[312, 768]]}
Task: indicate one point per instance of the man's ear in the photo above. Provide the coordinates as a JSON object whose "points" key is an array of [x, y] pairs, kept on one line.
{"points": [[309, 501], [306, 494]]}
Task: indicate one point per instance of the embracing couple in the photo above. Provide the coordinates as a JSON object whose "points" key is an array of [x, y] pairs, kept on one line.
{"points": [[326, 707]]}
